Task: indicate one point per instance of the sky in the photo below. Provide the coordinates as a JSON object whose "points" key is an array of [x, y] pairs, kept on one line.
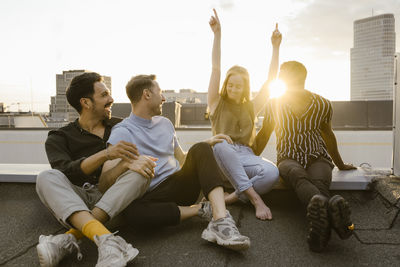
{"points": [[173, 40]]}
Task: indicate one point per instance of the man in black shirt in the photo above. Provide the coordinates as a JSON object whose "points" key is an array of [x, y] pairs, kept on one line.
{"points": [[75, 191], [305, 145]]}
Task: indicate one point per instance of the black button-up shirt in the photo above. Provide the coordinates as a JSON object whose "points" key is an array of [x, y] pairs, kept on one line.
{"points": [[68, 146]]}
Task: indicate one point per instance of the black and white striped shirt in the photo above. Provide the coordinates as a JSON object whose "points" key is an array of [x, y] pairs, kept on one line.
{"points": [[299, 138]]}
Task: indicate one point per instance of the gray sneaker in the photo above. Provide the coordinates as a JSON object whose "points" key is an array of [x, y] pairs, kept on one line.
{"points": [[205, 212], [114, 251], [52, 249], [225, 233]]}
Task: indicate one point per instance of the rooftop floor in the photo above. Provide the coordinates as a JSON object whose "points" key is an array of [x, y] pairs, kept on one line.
{"points": [[280, 242]]}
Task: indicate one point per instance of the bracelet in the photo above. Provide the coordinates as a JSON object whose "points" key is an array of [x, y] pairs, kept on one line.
{"points": [[107, 154]]}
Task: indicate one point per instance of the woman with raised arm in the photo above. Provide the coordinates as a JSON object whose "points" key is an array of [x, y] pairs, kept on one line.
{"points": [[233, 113]]}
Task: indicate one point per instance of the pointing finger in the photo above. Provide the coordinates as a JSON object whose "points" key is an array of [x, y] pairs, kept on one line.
{"points": [[215, 13]]}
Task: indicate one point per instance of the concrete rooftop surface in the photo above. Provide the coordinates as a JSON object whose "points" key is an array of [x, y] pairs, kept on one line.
{"points": [[280, 242]]}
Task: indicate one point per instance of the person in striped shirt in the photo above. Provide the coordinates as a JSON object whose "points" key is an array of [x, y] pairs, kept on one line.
{"points": [[306, 146]]}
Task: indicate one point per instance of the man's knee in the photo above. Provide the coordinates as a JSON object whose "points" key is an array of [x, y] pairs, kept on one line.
{"points": [[134, 181], [201, 146], [295, 175], [293, 171], [46, 178], [200, 149]]}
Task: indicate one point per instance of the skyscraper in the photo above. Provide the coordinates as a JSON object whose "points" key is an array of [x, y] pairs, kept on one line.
{"points": [[59, 107], [372, 58]]}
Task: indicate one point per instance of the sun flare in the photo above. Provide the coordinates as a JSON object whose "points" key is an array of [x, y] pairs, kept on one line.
{"points": [[277, 88]]}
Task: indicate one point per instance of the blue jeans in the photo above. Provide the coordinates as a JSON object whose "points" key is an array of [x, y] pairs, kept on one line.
{"points": [[243, 169]]}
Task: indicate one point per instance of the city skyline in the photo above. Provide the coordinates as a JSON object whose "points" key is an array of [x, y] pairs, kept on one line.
{"points": [[122, 38]]}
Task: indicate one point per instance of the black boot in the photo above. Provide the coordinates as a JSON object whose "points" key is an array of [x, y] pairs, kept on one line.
{"points": [[319, 226], [339, 213]]}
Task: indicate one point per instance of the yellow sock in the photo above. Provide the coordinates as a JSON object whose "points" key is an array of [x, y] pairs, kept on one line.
{"points": [[94, 227], [78, 235]]}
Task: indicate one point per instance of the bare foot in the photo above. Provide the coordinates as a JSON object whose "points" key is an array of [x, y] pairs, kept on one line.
{"points": [[262, 211]]}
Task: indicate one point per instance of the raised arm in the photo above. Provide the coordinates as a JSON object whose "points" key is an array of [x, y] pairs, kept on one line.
{"points": [[213, 87], [331, 144], [261, 98]]}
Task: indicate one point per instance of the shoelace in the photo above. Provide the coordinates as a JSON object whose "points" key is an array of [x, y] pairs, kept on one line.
{"points": [[121, 245], [70, 246], [113, 242]]}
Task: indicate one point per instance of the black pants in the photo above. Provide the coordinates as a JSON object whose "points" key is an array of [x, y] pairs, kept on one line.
{"points": [[159, 207], [315, 179]]}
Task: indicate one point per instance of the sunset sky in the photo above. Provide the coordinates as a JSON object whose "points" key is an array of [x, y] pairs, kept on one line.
{"points": [[173, 40]]}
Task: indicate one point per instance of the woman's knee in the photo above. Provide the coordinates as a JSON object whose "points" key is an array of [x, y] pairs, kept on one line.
{"points": [[269, 171], [222, 147], [267, 178]]}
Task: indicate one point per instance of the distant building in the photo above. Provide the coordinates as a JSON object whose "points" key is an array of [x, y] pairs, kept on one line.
{"points": [[185, 96], [60, 110], [372, 58], [21, 120]]}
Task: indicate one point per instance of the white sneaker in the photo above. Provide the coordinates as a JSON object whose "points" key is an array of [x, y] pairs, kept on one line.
{"points": [[52, 249], [225, 233], [114, 251]]}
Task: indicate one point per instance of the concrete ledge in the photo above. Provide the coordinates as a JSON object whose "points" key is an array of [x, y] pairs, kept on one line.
{"points": [[358, 179], [21, 173]]}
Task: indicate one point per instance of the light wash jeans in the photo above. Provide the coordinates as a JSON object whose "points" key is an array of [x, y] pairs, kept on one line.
{"points": [[243, 169]]}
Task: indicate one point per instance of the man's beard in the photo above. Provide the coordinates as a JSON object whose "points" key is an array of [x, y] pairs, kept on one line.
{"points": [[104, 114]]}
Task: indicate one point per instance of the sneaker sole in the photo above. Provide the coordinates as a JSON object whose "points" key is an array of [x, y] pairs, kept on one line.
{"points": [[131, 254], [118, 263], [44, 257], [340, 216], [234, 245], [317, 215]]}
